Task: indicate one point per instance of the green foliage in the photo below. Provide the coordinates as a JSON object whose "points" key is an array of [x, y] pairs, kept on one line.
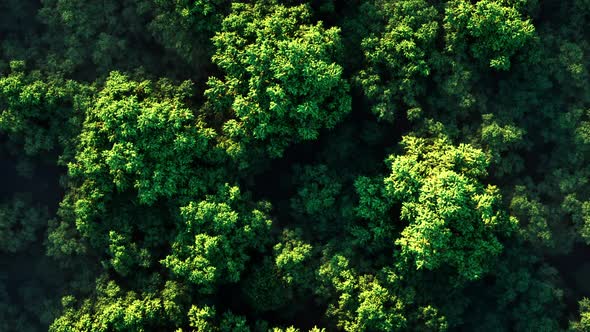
{"points": [[292, 259], [204, 319], [318, 194], [496, 27], [363, 303], [266, 289], [374, 206], [280, 84], [215, 237], [95, 37], [141, 147], [168, 129], [315, 204], [452, 218], [416, 43], [573, 177], [398, 57], [37, 112], [199, 318], [501, 142], [583, 324], [139, 136], [20, 222], [114, 309], [524, 296], [178, 24], [95, 33], [125, 254]]}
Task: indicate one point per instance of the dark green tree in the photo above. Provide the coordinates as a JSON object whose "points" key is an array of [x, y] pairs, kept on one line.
{"points": [[40, 113], [398, 56], [20, 223]]}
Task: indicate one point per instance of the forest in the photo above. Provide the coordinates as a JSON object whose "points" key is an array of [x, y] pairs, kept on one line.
{"points": [[294, 165]]}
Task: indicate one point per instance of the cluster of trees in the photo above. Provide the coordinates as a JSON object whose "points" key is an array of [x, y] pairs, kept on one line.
{"points": [[283, 165]]}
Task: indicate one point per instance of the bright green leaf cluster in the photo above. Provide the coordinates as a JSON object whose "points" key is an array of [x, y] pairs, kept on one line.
{"points": [[281, 84], [216, 235], [452, 218], [140, 137]]}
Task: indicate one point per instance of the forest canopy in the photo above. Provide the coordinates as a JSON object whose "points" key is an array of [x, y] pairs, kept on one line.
{"points": [[294, 165]]}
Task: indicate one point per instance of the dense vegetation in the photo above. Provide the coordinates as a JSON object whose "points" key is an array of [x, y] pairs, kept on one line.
{"points": [[283, 165]]}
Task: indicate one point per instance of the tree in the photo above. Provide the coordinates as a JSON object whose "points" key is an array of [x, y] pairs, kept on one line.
{"points": [[583, 324], [142, 153], [169, 183], [451, 218], [290, 257], [363, 303], [19, 32], [496, 27], [398, 58], [281, 84], [20, 223], [40, 113], [112, 308], [216, 235], [186, 27], [573, 176], [315, 205], [91, 39], [97, 34], [521, 293], [140, 137]]}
